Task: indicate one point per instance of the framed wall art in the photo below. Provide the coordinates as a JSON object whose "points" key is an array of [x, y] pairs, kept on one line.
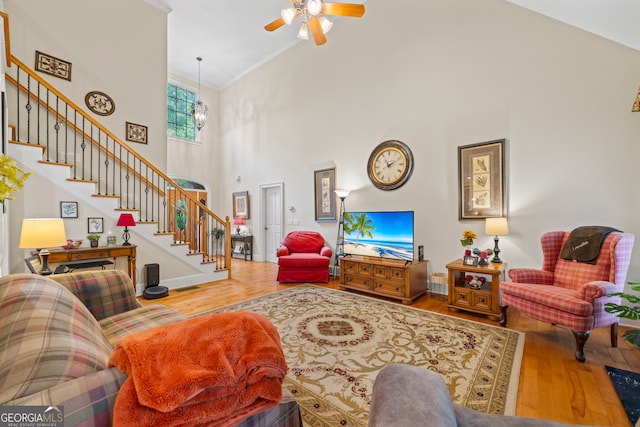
{"points": [[325, 197], [34, 264], [95, 225], [241, 204], [481, 180], [68, 209], [136, 133], [53, 66]]}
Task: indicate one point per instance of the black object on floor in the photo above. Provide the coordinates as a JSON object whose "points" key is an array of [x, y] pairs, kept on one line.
{"points": [[627, 385], [154, 292], [152, 278]]}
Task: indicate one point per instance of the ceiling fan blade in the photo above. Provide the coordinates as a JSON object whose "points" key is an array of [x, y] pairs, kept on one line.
{"points": [[316, 31], [343, 9], [271, 26]]}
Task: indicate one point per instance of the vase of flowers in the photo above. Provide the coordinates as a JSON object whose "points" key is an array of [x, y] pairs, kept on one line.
{"points": [[467, 239]]}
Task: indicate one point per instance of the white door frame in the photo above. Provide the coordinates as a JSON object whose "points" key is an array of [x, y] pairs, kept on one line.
{"points": [[263, 215]]}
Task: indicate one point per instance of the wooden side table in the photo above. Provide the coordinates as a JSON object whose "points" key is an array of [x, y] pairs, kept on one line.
{"points": [[485, 300], [246, 247]]}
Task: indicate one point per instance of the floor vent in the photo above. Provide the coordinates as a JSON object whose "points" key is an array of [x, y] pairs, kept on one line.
{"points": [[186, 288]]}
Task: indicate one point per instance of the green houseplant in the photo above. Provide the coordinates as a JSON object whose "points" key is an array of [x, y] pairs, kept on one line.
{"points": [[627, 312], [93, 239]]}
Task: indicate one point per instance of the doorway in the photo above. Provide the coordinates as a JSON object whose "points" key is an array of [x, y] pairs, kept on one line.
{"points": [[271, 206]]}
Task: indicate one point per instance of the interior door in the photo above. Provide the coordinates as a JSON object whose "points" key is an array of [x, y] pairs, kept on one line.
{"points": [[273, 221]]}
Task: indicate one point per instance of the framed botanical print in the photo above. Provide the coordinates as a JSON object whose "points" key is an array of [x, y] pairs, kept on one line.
{"points": [[481, 180], [325, 197], [95, 225], [68, 209]]}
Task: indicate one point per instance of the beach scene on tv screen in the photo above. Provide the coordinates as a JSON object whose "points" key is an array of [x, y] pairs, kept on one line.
{"points": [[379, 234]]}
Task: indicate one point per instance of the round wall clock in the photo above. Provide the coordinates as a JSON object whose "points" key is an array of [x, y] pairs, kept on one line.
{"points": [[100, 103], [390, 165]]}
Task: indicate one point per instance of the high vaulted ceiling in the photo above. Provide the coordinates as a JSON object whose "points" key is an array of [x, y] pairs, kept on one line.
{"points": [[229, 34]]}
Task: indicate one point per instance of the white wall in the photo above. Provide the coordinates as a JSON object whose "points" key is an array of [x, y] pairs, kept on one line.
{"points": [[438, 74], [117, 47]]}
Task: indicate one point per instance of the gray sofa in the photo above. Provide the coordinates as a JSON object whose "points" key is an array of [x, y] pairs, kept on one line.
{"points": [[410, 396]]}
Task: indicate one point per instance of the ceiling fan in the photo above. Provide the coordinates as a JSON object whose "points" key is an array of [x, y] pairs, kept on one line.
{"points": [[312, 11]]}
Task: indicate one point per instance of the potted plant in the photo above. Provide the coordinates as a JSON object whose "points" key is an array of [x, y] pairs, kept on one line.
{"points": [[93, 239], [627, 312]]}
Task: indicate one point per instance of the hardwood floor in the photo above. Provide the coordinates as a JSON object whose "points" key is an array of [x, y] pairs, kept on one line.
{"points": [[553, 385]]}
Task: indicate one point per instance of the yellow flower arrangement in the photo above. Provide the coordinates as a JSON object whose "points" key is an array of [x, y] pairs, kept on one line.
{"points": [[11, 178], [467, 238]]}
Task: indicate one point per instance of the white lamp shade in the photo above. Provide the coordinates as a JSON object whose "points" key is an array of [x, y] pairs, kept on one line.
{"points": [[325, 24], [496, 226], [342, 193], [38, 233], [288, 15], [303, 33]]}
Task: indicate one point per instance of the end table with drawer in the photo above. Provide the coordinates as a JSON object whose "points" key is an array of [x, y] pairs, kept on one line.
{"points": [[486, 299]]}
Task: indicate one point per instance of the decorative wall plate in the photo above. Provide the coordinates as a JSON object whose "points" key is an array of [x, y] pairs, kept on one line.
{"points": [[100, 103]]}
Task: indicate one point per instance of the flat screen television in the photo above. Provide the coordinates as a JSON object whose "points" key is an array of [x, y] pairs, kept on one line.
{"points": [[387, 234]]}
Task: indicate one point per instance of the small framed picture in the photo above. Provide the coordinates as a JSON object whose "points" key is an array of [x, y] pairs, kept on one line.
{"points": [[68, 209], [34, 264], [470, 260], [95, 225]]}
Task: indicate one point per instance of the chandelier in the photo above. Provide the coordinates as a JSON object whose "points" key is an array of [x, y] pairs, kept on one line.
{"points": [[199, 110], [314, 21]]}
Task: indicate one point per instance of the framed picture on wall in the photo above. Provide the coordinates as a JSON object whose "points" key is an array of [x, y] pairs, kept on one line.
{"points": [[325, 196], [68, 209], [241, 204], [481, 180], [95, 225]]}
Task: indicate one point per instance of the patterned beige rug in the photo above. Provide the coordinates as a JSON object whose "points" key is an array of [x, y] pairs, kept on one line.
{"points": [[335, 343]]}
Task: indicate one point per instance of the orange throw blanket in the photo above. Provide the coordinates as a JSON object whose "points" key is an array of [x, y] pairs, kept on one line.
{"points": [[209, 370]]}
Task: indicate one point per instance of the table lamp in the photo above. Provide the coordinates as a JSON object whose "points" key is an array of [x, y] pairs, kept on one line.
{"points": [[40, 234], [126, 220], [496, 227], [238, 222]]}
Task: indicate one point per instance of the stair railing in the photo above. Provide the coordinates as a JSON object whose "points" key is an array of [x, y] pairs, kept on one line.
{"points": [[70, 137]]}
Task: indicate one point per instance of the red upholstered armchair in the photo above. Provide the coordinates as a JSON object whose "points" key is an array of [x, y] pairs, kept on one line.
{"points": [[571, 293], [303, 257]]}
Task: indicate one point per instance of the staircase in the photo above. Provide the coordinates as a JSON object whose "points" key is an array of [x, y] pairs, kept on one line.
{"points": [[63, 144]]}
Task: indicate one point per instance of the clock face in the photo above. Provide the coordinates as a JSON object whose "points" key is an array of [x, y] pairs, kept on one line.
{"points": [[100, 103], [390, 165]]}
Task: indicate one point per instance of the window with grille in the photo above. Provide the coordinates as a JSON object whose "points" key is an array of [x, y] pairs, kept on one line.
{"points": [[179, 118]]}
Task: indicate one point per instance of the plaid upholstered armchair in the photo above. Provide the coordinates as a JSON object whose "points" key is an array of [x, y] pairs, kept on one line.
{"points": [[571, 293]]}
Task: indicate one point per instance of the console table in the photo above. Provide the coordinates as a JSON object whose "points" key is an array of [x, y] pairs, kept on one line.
{"points": [[484, 300], [73, 257], [246, 246]]}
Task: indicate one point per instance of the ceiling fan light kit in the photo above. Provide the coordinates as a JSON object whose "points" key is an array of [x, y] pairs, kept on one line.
{"points": [[313, 12]]}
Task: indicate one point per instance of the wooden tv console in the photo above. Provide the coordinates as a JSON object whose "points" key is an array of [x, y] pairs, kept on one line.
{"points": [[398, 279]]}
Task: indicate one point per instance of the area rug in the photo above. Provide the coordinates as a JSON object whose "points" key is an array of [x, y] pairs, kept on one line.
{"points": [[627, 385], [335, 342]]}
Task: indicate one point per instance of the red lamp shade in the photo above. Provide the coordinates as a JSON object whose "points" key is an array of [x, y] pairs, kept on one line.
{"points": [[126, 220], [238, 222]]}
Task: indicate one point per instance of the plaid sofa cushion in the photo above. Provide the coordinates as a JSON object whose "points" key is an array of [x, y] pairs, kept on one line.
{"points": [[47, 336], [104, 292], [140, 319]]}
